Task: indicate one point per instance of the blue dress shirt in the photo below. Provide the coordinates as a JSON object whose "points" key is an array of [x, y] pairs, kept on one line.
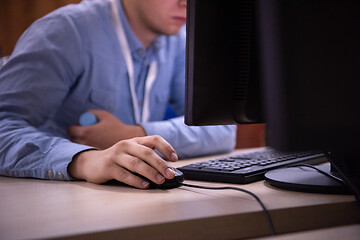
{"points": [[70, 61]]}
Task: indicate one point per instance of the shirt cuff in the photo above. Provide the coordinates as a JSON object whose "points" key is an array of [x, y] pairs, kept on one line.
{"points": [[58, 158]]}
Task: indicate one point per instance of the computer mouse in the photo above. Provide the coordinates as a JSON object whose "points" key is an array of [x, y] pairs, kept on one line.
{"points": [[169, 183]]}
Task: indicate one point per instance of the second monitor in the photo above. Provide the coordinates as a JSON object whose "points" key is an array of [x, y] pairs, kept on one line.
{"points": [[294, 64]]}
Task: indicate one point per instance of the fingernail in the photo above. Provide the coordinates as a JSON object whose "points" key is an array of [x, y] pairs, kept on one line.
{"points": [[173, 157], [145, 183], [170, 172], [160, 177]]}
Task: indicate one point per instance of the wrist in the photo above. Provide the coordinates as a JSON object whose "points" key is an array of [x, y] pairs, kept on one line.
{"points": [[77, 165], [140, 131]]}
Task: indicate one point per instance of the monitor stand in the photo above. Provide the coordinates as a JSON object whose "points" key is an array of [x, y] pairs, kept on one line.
{"points": [[306, 179]]}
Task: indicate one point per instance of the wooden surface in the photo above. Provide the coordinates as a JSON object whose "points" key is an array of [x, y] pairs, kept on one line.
{"points": [[348, 232], [250, 136], [17, 15], [44, 209]]}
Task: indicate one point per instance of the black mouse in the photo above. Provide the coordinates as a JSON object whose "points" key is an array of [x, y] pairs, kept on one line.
{"points": [[169, 183]]}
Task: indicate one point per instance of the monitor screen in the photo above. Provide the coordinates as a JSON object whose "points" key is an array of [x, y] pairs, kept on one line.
{"points": [[221, 73], [292, 64]]}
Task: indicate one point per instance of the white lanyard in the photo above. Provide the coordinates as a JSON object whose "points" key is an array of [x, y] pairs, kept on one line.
{"points": [[152, 72]]}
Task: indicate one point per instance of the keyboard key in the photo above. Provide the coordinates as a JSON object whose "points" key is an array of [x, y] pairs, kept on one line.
{"points": [[249, 167]]}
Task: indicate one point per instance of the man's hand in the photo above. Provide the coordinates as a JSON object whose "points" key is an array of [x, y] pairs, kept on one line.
{"points": [[117, 162], [108, 131]]}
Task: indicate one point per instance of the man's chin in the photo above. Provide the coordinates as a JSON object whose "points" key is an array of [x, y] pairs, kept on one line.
{"points": [[170, 31], [173, 31]]}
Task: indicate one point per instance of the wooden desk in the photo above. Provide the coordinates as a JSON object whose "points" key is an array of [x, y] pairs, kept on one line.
{"points": [[348, 232], [43, 209]]}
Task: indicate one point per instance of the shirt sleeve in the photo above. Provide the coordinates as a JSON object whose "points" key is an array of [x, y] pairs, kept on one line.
{"points": [[33, 83], [193, 141]]}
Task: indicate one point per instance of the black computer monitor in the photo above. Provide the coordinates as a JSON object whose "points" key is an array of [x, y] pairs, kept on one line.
{"points": [[221, 72], [294, 64]]}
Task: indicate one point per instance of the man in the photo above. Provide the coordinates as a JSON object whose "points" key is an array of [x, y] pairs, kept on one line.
{"points": [[124, 62]]}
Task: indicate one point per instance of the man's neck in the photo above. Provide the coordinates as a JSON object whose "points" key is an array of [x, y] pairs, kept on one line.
{"points": [[142, 32]]}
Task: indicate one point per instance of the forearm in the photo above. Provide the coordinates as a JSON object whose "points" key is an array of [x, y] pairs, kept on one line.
{"points": [[192, 141], [26, 152]]}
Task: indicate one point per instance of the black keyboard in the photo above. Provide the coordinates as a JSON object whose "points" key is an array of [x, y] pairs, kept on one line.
{"points": [[247, 167]]}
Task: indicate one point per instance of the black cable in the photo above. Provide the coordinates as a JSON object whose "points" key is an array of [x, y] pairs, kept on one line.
{"points": [[339, 180], [266, 212]]}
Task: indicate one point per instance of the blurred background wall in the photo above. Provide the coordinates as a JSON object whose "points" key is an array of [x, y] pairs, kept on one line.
{"points": [[17, 15]]}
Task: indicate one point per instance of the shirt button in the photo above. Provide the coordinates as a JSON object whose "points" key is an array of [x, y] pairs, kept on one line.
{"points": [[60, 176], [50, 174]]}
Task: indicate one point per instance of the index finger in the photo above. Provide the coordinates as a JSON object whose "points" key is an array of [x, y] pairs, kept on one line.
{"points": [[160, 144]]}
